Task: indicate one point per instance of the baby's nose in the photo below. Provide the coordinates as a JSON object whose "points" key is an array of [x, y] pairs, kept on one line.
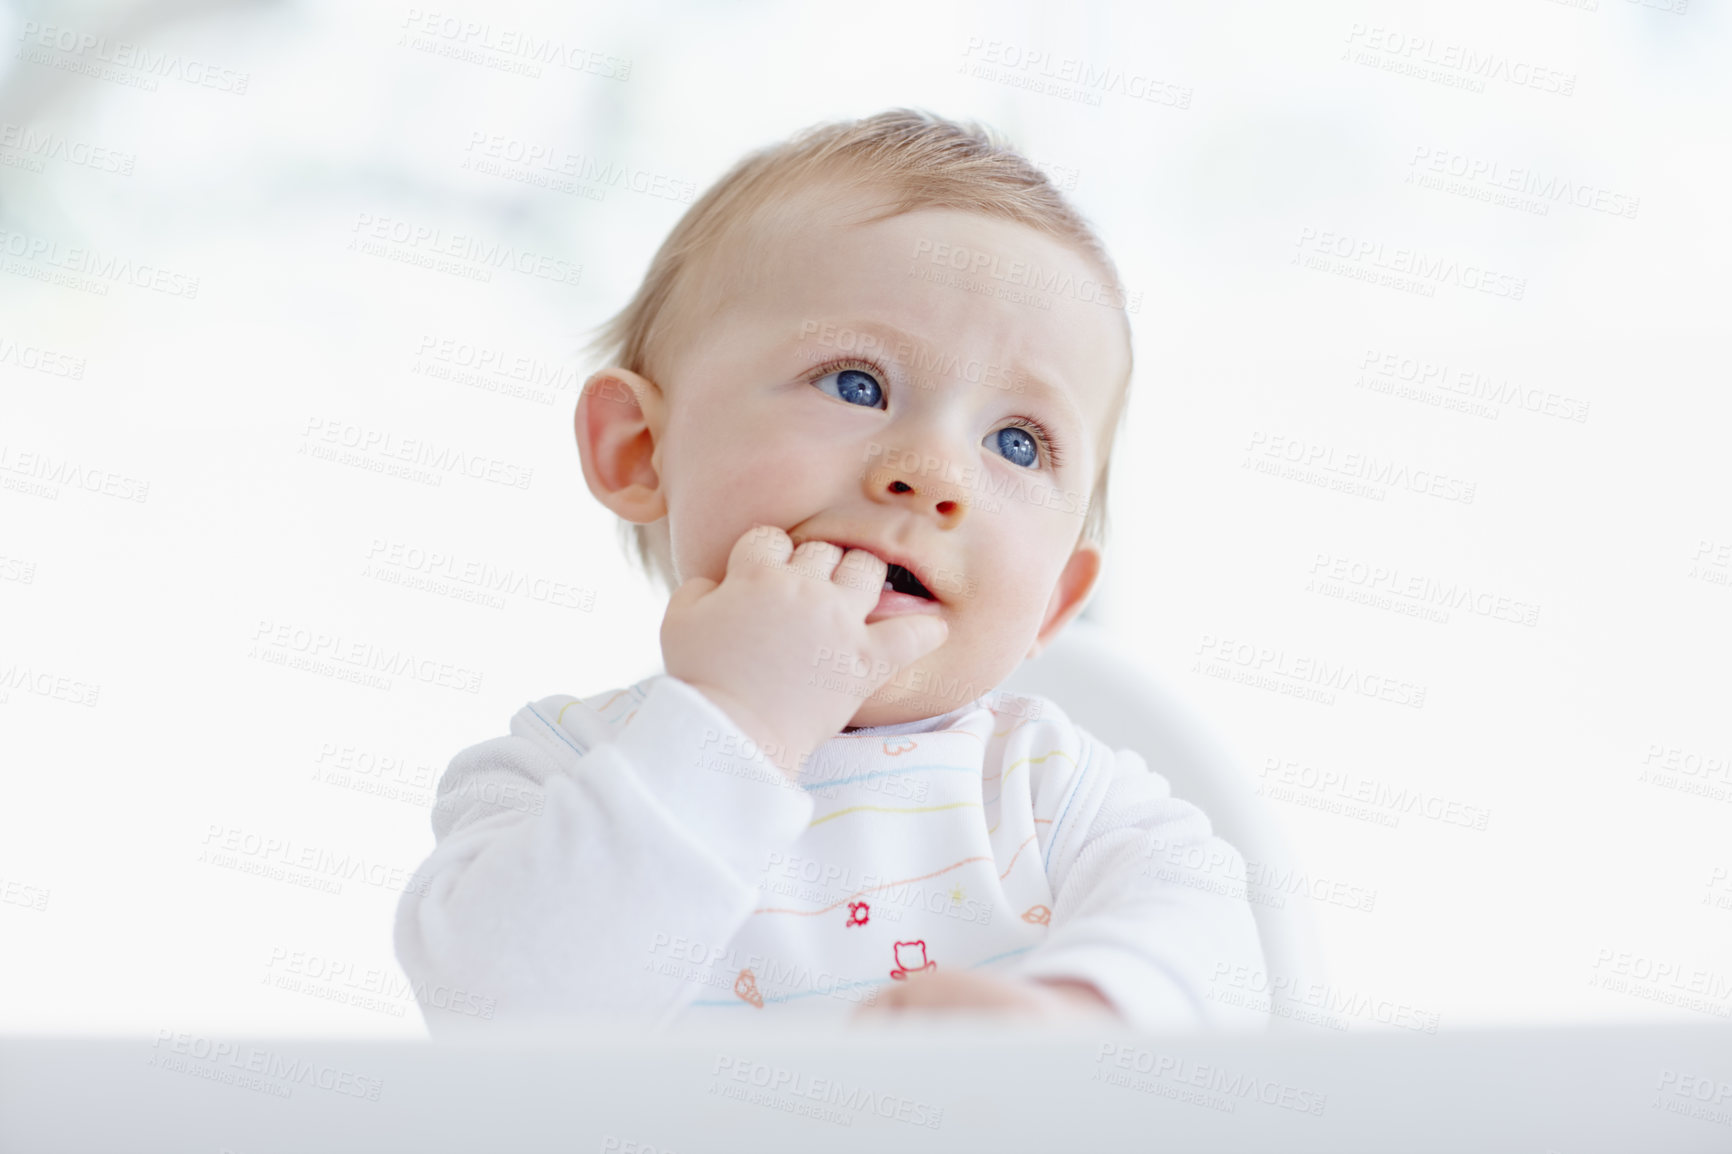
{"points": [[947, 501]]}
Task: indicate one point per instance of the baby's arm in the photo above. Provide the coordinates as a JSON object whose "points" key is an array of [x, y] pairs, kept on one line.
{"points": [[1148, 903], [559, 870], [657, 836], [980, 991]]}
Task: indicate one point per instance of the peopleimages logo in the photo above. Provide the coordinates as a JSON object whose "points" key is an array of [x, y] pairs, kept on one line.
{"points": [[323, 435], [312, 866], [53, 473], [1067, 77], [1495, 177], [833, 1092], [1462, 388], [1368, 259], [1289, 997], [1458, 65], [89, 268], [35, 145], [470, 256], [1024, 274], [922, 360], [1412, 594], [220, 1060], [1274, 668], [503, 47], [44, 683], [1220, 1088], [1350, 471], [552, 166], [316, 650], [41, 360], [472, 578], [1360, 797], [87, 53]]}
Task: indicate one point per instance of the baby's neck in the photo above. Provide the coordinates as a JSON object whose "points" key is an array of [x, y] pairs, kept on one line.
{"points": [[848, 729]]}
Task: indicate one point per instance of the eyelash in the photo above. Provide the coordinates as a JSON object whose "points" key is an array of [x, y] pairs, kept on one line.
{"points": [[1054, 449]]}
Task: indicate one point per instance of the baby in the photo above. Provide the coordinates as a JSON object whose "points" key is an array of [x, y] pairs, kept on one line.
{"points": [[859, 423]]}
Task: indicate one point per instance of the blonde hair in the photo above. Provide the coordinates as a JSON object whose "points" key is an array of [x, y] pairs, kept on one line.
{"points": [[916, 160]]}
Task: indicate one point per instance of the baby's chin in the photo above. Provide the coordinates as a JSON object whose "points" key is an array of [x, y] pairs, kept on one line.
{"points": [[895, 704]]}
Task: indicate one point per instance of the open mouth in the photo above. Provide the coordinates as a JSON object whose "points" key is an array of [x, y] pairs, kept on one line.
{"points": [[901, 580]]}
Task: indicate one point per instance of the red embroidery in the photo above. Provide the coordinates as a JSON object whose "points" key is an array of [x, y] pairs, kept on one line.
{"points": [[906, 954], [746, 986], [1038, 915], [859, 913], [902, 745]]}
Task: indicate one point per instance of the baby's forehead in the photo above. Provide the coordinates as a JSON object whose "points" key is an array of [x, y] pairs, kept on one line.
{"points": [[858, 245], [750, 248], [817, 271]]}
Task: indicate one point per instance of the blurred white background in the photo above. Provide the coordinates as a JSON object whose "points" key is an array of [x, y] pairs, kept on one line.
{"points": [[186, 318]]}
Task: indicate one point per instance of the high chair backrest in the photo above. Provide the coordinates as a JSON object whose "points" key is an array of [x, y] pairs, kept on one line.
{"points": [[1096, 682]]}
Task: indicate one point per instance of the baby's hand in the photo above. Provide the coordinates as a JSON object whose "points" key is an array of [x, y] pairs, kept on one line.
{"points": [[753, 642], [940, 990]]}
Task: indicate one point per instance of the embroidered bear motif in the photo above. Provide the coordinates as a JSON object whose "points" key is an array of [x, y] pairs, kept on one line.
{"points": [[911, 959]]}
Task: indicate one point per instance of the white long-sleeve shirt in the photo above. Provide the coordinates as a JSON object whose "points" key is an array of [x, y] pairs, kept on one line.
{"points": [[632, 855]]}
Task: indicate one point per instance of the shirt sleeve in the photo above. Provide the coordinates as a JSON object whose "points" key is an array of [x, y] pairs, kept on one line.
{"points": [[566, 876], [1149, 906]]}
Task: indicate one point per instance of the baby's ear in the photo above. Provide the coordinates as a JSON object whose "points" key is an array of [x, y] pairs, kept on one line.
{"points": [[1070, 594], [618, 421]]}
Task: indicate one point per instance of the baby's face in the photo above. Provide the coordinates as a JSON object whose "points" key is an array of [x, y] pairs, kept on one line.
{"points": [[856, 394]]}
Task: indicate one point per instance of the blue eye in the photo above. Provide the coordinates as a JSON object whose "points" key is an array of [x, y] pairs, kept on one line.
{"points": [[1017, 445], [1020, 443], [854, 386]]}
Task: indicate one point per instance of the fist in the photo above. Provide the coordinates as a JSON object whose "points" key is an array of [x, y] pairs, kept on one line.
{"points": [[754, 642]]}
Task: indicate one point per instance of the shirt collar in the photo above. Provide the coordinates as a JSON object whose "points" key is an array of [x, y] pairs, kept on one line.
{"points": [[919, 725]]}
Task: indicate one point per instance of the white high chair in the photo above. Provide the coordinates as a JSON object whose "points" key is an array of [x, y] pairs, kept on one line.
{"points": [[1096, 683]]}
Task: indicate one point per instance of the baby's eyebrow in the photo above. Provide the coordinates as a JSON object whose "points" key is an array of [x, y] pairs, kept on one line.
{"points": [[886, 341]]}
